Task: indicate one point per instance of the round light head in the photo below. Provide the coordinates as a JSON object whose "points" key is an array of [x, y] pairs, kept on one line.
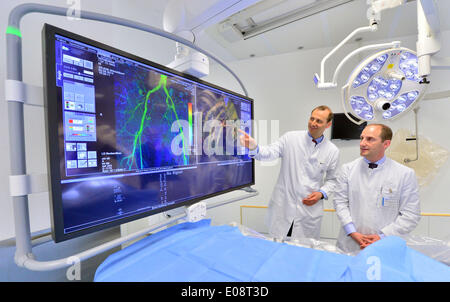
{"points": [[384, 85]]}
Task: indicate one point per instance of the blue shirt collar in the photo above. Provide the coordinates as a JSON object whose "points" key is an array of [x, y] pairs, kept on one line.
{"points": [[379, 162], [318, 140]]}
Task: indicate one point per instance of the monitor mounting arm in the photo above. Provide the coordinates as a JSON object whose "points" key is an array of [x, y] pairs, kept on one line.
{"points": [[188, 19]]}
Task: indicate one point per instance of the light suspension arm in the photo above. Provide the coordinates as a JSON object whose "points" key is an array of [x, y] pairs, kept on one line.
{"points": [[394, 44], [428, 42], [320, 80], [373, 15]]}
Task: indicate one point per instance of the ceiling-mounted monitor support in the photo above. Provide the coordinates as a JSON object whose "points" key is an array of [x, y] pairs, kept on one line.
{"points": [[14, 35], [175, 21], [187, 19]]}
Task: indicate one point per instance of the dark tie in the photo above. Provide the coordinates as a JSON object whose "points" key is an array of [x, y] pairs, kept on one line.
{"points": [[372, 165], [314, 140]]}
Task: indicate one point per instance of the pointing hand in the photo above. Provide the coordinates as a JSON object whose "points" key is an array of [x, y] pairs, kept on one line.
{"points": [[247, 141]]}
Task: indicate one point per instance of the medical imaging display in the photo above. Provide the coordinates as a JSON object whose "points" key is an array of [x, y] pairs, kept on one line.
{"points": [[128, 138]]}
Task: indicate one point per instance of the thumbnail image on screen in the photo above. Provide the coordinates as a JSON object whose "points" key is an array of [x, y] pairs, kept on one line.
{"points": [[128, 138]]}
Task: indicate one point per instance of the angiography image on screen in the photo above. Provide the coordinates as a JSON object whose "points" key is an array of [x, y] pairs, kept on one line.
{"points": [[137, 138], [148, 105]]}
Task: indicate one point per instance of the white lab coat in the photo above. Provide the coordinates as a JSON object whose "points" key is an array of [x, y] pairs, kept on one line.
{"points": [[305, 168], [383, 199]]}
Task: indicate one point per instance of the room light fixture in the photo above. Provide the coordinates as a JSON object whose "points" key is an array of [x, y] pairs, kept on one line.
{"points": [[267, 15]]}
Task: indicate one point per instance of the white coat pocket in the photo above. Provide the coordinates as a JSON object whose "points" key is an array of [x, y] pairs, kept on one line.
{"points": [[390, 198], [320, 166], [390, 201], [389, 208]]}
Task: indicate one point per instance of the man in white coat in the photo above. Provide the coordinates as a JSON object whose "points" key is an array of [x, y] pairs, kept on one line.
{"points": [[376, 196], [309, 162]]}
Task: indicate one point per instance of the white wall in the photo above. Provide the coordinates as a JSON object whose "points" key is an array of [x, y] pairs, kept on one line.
{"points": [[282, 88]]}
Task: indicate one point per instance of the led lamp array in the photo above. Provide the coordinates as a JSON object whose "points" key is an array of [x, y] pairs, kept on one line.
{"points": [[384, 85]]}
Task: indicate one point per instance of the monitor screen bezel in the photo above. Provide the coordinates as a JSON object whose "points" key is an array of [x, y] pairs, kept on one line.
{"points": [[53, 130]]}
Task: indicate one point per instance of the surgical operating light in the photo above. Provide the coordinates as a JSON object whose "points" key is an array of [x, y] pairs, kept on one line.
{"points": [[383, 86], [391, 82]]}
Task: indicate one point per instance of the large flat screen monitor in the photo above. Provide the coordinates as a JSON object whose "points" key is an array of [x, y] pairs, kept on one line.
{"points": [[128, 138], [343, 128]]}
